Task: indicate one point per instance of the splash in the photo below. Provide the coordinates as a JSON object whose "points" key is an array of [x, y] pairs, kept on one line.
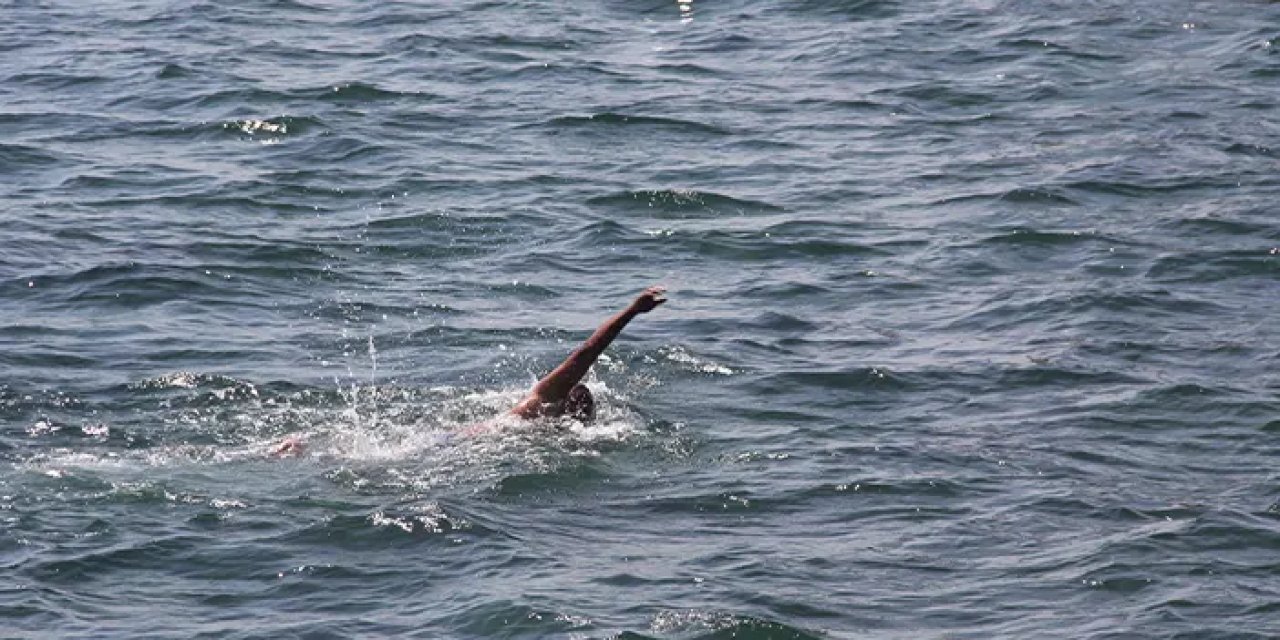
{"points": [[686, 10], [369, 438], [684, 359]]}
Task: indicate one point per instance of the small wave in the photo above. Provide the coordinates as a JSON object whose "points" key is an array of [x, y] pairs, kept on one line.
{"points": [[49, 359], [829, 247], [265, 199], [432, 220], [236, 98], [1042, 196], [1163, 184], [1067, 307], [1215, 266], [741, 501], [384, 527], [212, 389], [260, 256], [799, 227], [31, 400], [53, 80], [1119, 578], [563, 477], [937, 93], [777, 321], [176, 380], [1046, 376], [1253, 149], [131, 284], [715, 625], [19, 159], [935, 487], [171, 70], [688, 361], [1224, 225], [273, 128], [1036, 196], [786, 290], [867, 378], [427, 518], [1185, 395], [359, 92], [1036, 237], [1055, 49], [687, 69], [844, 104], [552, 72], [151, 555], [757, 246], [609, 118], [506, 619], [344, 150], [298, 6], [147, 492], [682, 202]]}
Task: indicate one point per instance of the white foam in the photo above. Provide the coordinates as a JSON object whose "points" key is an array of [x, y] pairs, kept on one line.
{"points": [[388, 436], [689, 361]]}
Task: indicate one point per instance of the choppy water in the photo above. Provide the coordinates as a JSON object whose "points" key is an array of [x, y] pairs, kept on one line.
{"points": [[973, 329]]}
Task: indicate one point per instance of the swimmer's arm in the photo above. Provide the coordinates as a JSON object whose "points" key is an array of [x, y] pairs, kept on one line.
{"points": [[555, 386]]}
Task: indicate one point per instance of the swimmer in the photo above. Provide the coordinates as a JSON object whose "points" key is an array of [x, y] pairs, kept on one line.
{"points": [[561, 392]]}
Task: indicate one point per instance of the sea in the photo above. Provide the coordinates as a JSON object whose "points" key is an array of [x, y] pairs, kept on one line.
{"points": [[972, 332]]}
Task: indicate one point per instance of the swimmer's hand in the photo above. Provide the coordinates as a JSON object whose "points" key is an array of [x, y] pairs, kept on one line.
{"points": [[649, 300], [291, 446]]}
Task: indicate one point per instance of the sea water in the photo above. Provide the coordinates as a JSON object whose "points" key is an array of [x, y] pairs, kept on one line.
{"points": [[972, 328]]}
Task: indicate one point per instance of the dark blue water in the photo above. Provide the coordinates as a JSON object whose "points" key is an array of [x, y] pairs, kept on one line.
{"points": [[972, 333]]}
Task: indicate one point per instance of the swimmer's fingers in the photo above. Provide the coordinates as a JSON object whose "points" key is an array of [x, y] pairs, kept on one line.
{"points": [[650, 299]]}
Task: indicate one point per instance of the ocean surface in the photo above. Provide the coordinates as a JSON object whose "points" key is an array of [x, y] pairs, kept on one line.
{"points": [[973, 332]]}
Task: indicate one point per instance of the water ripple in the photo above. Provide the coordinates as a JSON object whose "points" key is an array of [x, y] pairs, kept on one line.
{"points": [[970, 330]]}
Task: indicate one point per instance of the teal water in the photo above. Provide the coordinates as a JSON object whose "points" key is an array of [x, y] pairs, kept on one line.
{"points": [[972, 330]]}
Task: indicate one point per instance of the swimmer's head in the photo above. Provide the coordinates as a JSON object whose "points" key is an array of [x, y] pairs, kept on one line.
{"points": [[579, 404]]}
